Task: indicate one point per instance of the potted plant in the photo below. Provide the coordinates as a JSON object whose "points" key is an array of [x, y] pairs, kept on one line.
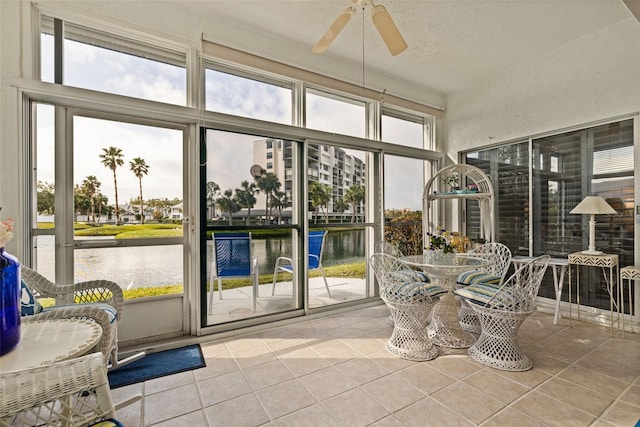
{"points": [[453, 181]]}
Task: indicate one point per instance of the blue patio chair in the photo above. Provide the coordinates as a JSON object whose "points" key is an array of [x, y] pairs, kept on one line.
{"points": [[232, 259], [315, 247]]}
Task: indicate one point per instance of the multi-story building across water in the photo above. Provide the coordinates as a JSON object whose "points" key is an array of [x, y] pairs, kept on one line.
{"points": [[326, 164]]}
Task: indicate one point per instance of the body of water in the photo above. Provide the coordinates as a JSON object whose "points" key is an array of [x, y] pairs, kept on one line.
{"points": [[148, 266]]}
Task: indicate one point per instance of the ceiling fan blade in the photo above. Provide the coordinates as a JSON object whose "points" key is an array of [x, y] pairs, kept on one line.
{"points": [[388, 30], [333, 31]]}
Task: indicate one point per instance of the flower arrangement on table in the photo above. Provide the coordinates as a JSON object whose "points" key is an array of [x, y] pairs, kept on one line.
{"points": [[440, 240]]}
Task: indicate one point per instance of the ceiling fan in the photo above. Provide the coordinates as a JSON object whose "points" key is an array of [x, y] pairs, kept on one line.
{"points": [[381, 19]]}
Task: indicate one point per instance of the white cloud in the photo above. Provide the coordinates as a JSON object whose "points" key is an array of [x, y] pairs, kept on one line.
{"points": [[230, 155]]}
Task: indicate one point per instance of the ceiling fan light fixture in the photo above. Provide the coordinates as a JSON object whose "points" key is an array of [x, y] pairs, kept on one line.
{"points": [[333, 31], [388, 30]]}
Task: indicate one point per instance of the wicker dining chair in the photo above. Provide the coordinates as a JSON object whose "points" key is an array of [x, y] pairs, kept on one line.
{"points": [[384, 247], [500, 256], [410, 301], [72, 393], [501, 310]]}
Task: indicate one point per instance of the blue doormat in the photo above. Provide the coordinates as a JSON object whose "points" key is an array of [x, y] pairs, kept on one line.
{"points": [[157, 365]]}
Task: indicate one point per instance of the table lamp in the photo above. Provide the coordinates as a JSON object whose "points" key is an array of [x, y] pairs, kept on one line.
{"points": [[593, 205]]}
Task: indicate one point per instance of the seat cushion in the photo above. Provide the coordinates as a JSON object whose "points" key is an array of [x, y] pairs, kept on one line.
{"points": [[107, 423], [110, 310], [481, 294], [414, 289], [29, 305], [409, 276], [477, 276]]}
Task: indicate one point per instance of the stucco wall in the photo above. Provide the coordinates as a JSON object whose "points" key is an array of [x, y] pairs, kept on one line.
{"points": [[12, 65], [593, 78]]}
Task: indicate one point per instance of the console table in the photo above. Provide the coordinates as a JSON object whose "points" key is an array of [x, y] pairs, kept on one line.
{"points": [[48, 341], [604, 261], [558, 278]]}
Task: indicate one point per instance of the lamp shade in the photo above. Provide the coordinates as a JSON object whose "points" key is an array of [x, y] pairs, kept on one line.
{"points": [[593, 205]]}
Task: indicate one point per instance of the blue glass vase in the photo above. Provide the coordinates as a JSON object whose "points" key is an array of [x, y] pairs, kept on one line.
{"points": [[9, 302]]}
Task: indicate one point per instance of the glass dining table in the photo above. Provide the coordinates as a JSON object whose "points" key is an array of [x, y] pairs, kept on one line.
{"points": [[444, 330]]}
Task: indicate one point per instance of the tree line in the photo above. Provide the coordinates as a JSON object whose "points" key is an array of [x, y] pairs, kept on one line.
{"points": [[87, 196], [231, 201]]}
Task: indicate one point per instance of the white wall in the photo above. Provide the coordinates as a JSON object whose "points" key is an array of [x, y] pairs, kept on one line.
{"points": [[12, 65], [593, 78]]}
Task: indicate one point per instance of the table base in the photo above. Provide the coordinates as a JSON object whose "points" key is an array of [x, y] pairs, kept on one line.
{"points": [[444, 329]]}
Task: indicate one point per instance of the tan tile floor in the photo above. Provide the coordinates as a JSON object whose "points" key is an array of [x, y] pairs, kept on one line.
{"points": [[334, 371]]}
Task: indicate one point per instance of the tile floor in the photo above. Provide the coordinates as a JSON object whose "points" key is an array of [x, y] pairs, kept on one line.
{"points": [[334, 371]]}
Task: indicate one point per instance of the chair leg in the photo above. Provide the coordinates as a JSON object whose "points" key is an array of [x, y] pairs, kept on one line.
{"points": [[115, 363], [119, 363], [256, 291], [220, 288], [326, 285], [211, 292], [275, 277]]}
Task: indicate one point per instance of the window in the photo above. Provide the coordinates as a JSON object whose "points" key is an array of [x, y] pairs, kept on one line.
{"points": [[331, 113], [402, 129], [159, 72], [106, 63], [247, 96], [566, 168], [136, 203]]}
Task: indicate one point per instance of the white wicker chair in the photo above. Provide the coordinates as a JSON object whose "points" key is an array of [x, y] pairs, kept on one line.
{"points": [[83, 300], [410, 301], [69, 393], [384, 247], [495, 273], [501, 310]]}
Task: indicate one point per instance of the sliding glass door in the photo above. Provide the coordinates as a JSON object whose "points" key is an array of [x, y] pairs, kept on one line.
{"points": [[540, 181], [304, 206], [109, 194]]}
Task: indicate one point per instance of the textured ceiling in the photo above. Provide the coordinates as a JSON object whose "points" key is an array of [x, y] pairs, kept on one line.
{"points": [[452, 44]]}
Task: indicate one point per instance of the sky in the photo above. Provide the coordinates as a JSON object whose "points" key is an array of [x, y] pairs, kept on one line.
{"points": [[105, 70]]}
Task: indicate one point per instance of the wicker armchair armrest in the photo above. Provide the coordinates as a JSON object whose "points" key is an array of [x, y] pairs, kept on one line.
{"points": [[95, 291], [90, 291]]}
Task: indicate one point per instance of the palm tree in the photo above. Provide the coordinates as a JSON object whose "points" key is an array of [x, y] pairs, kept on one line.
{"points": [[90, 186], [229, 203], [320, 195], [245, 197], [111, 159], [340, 206], [268, 184], [101, 201], [354, 195], [213, 192], [139, 168], [280, 201]]}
